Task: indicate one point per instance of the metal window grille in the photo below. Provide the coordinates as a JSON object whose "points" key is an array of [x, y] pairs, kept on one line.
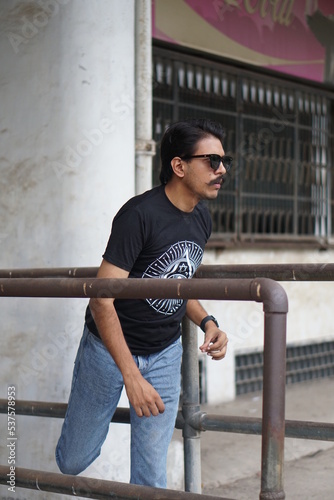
{"points": [[280, 134], [303, 362]]}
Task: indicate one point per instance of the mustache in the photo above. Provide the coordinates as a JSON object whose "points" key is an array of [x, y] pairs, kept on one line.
{"points": [[220, 179]]}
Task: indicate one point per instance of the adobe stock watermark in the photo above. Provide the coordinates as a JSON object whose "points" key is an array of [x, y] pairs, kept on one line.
{"points": [[73, 156], [37, 17], [93, 138], [43, 355], [246, 327]]}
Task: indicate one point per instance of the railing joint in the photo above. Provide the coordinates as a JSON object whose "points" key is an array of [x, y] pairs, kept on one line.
{"points": [[190, 427]]}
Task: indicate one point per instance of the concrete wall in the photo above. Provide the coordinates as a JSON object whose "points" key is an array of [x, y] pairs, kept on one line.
{"points": [[309, 319], [67, 164]]}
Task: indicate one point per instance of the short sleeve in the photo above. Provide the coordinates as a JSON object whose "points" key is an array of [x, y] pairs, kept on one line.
{"points": [[126, 240]]}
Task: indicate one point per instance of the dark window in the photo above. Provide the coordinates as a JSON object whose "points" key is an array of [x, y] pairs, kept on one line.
{"points": [[279, 132]]}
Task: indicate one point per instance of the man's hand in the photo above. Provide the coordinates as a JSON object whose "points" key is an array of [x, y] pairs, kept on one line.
{"points": [[215, 342], [143, 397]]}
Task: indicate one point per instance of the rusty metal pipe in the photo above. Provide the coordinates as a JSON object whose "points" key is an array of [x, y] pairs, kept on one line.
{"points": [[297, 429], [260, 290], [277, 272], [273, 410], [52, 272], [125, 288], [55, 410], [201, 421], [93, 488]]}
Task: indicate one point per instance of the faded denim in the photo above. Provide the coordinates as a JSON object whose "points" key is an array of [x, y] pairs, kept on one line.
{"points": [[96, 389]]}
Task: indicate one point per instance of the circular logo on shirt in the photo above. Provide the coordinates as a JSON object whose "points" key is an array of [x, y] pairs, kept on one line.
{"points": [[180, 261]]}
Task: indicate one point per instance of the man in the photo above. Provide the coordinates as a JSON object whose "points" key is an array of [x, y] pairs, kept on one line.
{"points": [[136, 343]]}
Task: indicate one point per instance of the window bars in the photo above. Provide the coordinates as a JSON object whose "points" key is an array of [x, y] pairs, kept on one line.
{"points": [[280, 134]]}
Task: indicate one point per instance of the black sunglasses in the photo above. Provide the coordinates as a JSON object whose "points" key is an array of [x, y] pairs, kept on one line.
{"points": [[215, 160]]}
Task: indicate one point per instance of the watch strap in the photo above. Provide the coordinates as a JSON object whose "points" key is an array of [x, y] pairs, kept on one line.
{"points": [[205, 320]]}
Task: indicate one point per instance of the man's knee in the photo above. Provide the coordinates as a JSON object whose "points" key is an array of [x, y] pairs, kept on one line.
{"points": [[67, 464]]}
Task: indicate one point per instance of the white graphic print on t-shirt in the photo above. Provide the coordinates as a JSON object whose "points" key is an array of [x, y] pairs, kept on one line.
{"points": [[180, 261]]}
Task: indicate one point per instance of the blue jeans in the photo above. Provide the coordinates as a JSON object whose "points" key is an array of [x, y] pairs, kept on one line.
{"points": [[96, 389]]}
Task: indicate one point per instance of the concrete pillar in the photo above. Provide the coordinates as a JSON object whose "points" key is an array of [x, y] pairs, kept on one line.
{"points": [[67, 164], [145, 146]]}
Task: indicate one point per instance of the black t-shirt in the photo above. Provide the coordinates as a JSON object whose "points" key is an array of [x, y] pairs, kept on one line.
{"points": [[151, 238]]}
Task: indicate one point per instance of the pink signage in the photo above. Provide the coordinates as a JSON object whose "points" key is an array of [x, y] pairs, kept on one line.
{"points": [[291, 36]]}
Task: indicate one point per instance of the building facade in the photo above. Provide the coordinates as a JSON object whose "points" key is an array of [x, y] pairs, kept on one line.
{"points": [[83, 104], [262, 70]]}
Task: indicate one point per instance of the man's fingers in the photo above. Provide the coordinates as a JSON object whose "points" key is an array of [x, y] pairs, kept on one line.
{"points": [[154, 409], [146, 411], [218, 344], [160, 406], [150, 404], [219, 354], [157, 408]]}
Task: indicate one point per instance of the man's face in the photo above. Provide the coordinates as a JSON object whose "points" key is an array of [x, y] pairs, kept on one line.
{"points": [[200, 179]]}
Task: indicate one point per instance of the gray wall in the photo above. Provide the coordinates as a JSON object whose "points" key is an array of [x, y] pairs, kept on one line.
{"points": [[66, 164]]}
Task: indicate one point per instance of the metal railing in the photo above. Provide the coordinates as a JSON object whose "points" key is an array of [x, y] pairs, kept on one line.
{"points": [[94, 488], [60, 283], [275, 306], [277, 272]]}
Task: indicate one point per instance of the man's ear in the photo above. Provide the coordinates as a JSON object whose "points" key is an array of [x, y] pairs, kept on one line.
{"points": [[177, 166]]}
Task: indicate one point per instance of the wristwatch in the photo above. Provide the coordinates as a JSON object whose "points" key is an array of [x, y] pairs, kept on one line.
{"points": [[205, 320]]}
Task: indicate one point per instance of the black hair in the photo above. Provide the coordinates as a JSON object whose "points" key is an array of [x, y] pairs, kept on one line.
{"points": [[181, 138]]}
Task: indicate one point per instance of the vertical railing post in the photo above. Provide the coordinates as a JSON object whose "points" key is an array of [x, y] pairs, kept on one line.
{"points": [[273, 406], [190, 406]]}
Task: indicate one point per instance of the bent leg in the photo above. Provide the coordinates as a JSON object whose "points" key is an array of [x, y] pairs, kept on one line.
{"points": [[96, 388], [151, 436]]}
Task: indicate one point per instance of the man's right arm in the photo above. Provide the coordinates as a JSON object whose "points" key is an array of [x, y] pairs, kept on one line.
{"points": [[142, 395]]}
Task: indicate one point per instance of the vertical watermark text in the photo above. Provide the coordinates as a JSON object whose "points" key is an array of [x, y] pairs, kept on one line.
{"points": [[11, 437]]}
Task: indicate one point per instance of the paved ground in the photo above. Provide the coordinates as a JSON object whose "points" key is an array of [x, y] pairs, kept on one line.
{"points": [[231, 462]]}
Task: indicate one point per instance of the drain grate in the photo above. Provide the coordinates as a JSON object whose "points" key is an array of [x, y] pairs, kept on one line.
{"points": [[303, 362]]}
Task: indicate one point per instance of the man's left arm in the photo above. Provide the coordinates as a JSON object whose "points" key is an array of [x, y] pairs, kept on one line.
{"points": [[215, 340]]}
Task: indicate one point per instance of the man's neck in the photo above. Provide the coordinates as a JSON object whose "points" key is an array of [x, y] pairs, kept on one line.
{"points": [[182, 200]]}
